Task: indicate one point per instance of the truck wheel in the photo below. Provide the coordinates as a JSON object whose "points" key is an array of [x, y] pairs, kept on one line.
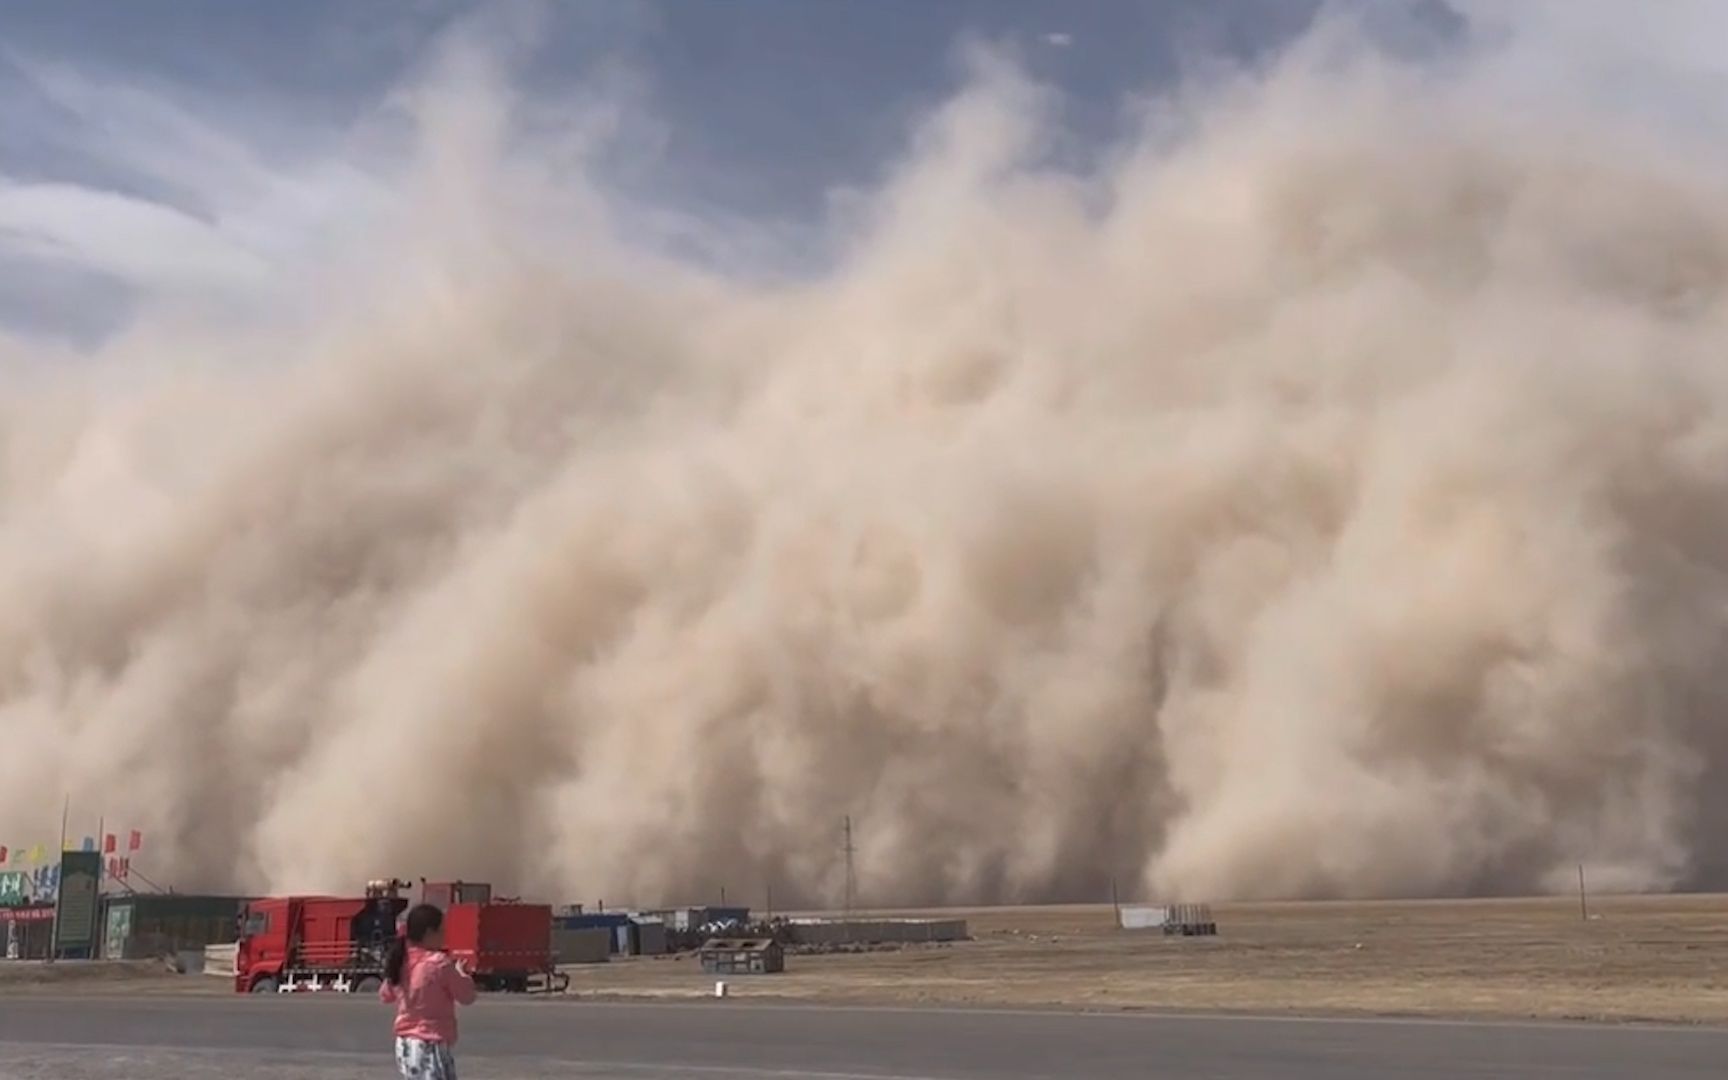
{"points": [[265, 985], [368, 985]]}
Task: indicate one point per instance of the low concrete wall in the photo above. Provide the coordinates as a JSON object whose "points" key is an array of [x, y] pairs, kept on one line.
{"points": [[219, 960], [1185, 918], [581, 946], [876, 931], [1138, 917]]}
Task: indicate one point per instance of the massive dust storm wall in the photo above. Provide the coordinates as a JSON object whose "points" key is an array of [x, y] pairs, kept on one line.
{"points": [[1326, 493]]}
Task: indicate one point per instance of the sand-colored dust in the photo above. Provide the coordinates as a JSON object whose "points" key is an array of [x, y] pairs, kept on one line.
{"points": [[1322, 492]]}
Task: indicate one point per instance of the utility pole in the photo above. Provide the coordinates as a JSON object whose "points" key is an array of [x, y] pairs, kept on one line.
{"points": [[851, 872], [59, 860]]}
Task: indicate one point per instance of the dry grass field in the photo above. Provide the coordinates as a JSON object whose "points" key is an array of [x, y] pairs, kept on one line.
{"points": [[1650, 958], [1645, 958]]}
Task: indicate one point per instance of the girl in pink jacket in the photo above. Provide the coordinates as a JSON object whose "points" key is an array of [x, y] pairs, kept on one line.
{"points": [[425, 985]]}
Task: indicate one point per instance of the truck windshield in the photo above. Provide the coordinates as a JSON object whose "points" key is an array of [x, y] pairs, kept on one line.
{"points": [[256, 924]]}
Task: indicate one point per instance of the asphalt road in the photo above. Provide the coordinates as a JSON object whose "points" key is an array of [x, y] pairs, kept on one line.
{"points": [[347, 1039]]}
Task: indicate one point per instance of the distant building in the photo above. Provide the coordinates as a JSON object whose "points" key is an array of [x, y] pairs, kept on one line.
{"points": [[743, 956], [144, 926], [1185, 920], [27, 931], [688, 919]]}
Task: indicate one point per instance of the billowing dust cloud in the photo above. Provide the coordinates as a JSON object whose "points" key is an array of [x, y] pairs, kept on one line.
{"points": [[1325, 496]]}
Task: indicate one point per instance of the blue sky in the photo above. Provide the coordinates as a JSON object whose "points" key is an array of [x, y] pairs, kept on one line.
{"points": [[189, 146], [788, 94], [133, 129]]}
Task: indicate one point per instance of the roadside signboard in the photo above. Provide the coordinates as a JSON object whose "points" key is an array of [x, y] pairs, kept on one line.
{"points": [[14, 888], [76, 909]]}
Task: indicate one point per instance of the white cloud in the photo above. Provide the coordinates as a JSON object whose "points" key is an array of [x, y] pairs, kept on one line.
{"points": [[1060, 40], [1667, 64], [144, 242], [136, 129], [169, 194]]}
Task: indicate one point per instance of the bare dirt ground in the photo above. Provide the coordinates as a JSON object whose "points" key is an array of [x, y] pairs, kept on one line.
{"points": [[1657, 958], [1645, 958], [125, 975]]}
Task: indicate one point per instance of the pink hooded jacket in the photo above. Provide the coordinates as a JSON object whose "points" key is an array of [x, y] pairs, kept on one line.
{"points": [[426, 1001]]}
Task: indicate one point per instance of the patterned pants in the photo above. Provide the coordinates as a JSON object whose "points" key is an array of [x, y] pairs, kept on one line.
{"points": [[420, 1060]]}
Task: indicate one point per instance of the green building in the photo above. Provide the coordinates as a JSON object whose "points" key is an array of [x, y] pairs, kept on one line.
{"points": [[143, 926]]}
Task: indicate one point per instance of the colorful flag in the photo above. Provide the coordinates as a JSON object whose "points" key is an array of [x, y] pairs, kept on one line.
{"points": [[89, 843], [125, 867], [109, 843], [135, 841], [4, 851], [36, 854]]}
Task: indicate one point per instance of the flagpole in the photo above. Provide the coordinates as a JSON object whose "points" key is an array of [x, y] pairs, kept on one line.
{"points": [[65, 812]]}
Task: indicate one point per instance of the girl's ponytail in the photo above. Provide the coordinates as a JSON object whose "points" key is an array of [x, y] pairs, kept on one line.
{"points": [[422, 920], [395, 959]]}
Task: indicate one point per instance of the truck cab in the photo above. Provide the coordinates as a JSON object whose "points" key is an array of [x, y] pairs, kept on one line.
{"points": [[261, 948]]}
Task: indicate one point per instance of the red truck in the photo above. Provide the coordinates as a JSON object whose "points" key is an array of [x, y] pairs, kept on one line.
{"points": [[317, 942], [505, 944], [331, 943]]}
